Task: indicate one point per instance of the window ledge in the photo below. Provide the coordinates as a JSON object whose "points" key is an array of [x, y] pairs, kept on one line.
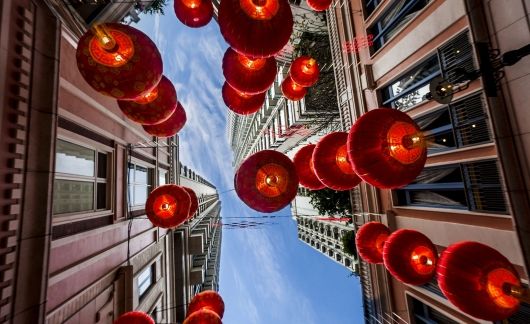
{"points": [[462, 149], [60, 219], [452, 211]]}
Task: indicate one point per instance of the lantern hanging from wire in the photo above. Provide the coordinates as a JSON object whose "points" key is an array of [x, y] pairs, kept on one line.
{"points": [[208, 299], [153, 107], [119, 61], [248, 75], [266, 181], [194, 13], [193, 200], [168, 206], [292, 90], [387, 148], [479, 280], [331, 162], [256, 28], [319, 5], [303, 161], [304, 71], [134, 317], [203, 316], [410, 257], [370, 240], [170, 126], [241, 103]]}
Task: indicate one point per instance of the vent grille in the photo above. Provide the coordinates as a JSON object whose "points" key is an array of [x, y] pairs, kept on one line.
{"points": [[457, 53], [469, 117], [484, 186]]}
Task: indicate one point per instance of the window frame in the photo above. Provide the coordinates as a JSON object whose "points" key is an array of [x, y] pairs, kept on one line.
{"points": [[151, 182]]}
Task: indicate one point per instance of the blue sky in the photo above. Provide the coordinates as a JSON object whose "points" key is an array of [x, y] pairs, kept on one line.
{"points": [[267, 275]]}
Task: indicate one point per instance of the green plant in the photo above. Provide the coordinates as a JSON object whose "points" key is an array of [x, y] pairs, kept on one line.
{"points": [[331, 202], [155, 7], [348, 243]]}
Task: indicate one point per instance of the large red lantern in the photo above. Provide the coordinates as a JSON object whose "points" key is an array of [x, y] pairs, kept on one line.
{"points": [[203, 316], [319, 5], [168, 206], [410, 257], [194, 13], [370, 240], [303, 161], [256, 28], [251, 76], [266, 181], [119, 61], [292, 90], [304, 71], [479, 280], [170, 126], [331, 163], [154, 107], [387, 148], [208, 299], [134, 317], [194, 202], [241, 103]]}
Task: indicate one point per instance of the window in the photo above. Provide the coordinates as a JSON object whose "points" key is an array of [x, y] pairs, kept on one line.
{"points": [[146, 279], [369, 6], [80, 179], [424, 314], [162, 177], [139, 178], [410, 88], [391, 21], [474, 186]]}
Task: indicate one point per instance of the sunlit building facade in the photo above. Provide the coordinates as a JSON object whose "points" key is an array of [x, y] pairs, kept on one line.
{"points": [[475, 183]]}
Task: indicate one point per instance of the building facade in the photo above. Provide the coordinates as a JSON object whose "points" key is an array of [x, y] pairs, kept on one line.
{"points": [[76, 245], [475, 182]]}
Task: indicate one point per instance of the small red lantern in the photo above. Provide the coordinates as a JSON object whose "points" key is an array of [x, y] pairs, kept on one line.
{"points": [[292, 90], [303, 161], [266, 181], [370, 240], [251, 76], [410, 257], [386, 148], [479, 280], [319, 5], [304, 71], [194, 13], [331, 163], [154, 107], [134, 317], [170, 126], [240, 103], [119, 61], [194, 202], [208, 299], [168, 206], [203, 316], [256, 28]]}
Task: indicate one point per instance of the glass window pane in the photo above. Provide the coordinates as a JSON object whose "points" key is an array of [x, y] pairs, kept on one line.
{"points": [[74, 159], [162, 178], [140, 176], [101, 198], [72, 196], [102, 165], [140, 195], [145, 280]]}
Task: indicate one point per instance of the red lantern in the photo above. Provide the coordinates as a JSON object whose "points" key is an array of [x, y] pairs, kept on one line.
{"points": [[119, 61], [256, 28], [208, 299], [266, 181], [319, 5], [134, 317], [386, 148], [203, 316], [241, 103], [303, 161], [170, 126], [194, 202], [410, 257], [304, 71], [168, 206], [479, 281], [370, 240], [154, 107], [251, 76], [292, 90], [330, 160], [194, 13]]}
